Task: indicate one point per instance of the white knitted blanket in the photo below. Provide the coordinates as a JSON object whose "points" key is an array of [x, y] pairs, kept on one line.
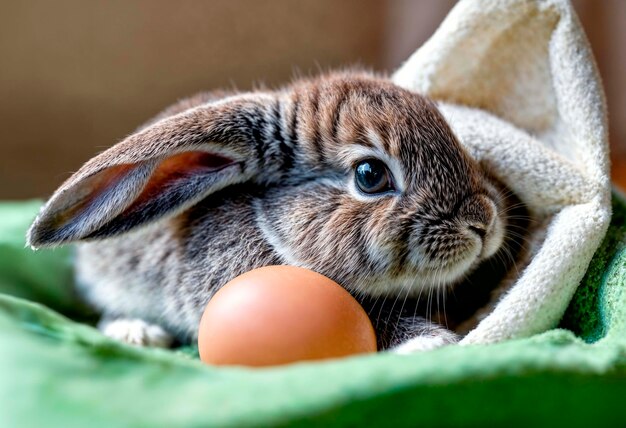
{"points": [[518, 83]]}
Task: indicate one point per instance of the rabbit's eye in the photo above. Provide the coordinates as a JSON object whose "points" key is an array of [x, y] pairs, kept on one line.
{"points": [[372, 176]]}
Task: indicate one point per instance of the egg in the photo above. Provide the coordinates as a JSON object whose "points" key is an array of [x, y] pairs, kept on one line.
{"points": [[279, 315]]}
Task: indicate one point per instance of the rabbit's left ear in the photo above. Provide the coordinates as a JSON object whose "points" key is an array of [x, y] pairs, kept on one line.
{"points": [[163, 169]]}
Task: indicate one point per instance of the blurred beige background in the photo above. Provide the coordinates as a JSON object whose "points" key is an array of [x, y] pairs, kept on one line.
{"points": [[77, 76]]}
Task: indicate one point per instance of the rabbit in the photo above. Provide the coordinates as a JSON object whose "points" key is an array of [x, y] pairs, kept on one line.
{"points": [[346, 174]]}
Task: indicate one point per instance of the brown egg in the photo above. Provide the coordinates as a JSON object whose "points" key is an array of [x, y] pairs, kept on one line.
{"points": [[282, 314]]}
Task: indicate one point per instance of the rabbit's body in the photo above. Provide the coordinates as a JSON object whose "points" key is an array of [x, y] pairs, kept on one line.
{"points": [[347, 175], [170, 281]]}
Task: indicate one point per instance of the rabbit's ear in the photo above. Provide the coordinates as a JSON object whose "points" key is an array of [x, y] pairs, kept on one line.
{"points": [[163, 169]]}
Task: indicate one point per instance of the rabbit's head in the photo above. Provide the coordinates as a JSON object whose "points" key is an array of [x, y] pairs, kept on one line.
{"points": [[362, 181]]}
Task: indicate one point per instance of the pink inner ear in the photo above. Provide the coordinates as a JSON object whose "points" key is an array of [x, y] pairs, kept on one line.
{"points": [[182, 165], [95, 186]]}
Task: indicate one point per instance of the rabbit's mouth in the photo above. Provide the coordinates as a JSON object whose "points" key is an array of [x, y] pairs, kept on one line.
{"points": [[452, 269]]}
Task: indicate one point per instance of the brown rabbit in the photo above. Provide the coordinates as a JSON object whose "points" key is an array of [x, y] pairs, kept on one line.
{"points": [[345, 174]]}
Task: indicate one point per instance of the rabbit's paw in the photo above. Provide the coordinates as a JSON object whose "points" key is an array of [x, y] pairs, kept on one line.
{"points": [[136, 332], [426, 343]]}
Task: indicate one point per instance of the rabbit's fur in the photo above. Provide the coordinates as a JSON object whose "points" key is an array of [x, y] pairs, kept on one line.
{"points": [[220, 184]]}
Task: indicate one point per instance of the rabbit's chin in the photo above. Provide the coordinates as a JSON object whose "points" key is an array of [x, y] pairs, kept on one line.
{"points": [[434, 276]]}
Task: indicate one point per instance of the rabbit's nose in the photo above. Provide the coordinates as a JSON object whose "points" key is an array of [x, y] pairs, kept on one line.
{"points": [[478, 213]]}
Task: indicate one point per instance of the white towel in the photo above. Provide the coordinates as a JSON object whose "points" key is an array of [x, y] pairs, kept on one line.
{"points": [[518, 83]]}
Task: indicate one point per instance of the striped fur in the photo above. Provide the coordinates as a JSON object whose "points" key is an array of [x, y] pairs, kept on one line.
{"points": [[272, 182]]}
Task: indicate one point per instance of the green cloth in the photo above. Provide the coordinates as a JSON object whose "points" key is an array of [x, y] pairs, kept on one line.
{"points": [[57, 370]]}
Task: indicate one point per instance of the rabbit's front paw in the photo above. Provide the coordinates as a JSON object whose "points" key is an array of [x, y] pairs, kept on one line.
{"points": [[426, 343], [136, 332]]}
